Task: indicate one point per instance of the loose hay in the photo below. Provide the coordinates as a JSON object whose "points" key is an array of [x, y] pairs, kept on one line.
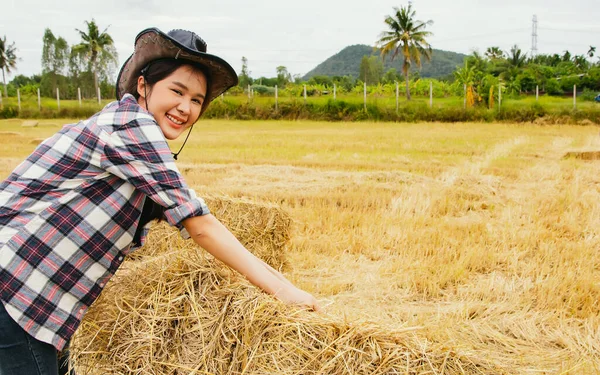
{"points": [[262, 228], [186, 313], [583, 155], [37, 141]]}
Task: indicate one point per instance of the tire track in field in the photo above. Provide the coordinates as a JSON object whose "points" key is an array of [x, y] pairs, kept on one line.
{"points": [[450, 192]]}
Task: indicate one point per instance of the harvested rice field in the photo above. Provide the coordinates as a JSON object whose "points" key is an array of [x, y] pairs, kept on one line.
{"points": [[432, 248]]}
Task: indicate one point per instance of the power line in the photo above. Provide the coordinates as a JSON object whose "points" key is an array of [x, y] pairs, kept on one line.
{"points": [[572, 30], [512, 31]]}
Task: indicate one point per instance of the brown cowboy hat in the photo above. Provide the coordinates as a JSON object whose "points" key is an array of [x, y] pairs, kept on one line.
{"points": [[152, 44]]}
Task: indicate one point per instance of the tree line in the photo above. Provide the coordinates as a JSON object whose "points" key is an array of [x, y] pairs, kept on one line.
{"points": [[86, 66], [93, 61]]}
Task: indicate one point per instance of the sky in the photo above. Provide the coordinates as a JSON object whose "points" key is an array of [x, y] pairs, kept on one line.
{"points": [[301, 34]]}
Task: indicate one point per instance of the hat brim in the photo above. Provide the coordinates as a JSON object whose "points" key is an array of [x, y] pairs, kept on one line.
{"points": [[152, 44]]}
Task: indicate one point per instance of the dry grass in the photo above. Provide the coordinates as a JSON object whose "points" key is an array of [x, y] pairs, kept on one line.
{"points": [[481, 234], [262, 227], [583, 155], [184, 313]]}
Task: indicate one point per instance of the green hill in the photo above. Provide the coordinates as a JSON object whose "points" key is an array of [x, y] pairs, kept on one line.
{"points": [[347, 62]]}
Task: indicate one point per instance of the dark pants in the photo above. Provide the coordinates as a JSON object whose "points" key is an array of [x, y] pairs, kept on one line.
{"points": [[21, 354]]}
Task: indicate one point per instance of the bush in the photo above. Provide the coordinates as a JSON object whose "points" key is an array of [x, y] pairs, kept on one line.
{"points": [[553, 87], [588, 95]]}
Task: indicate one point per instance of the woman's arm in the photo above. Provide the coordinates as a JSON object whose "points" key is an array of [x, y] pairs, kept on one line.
{"points": [[214, 237]]}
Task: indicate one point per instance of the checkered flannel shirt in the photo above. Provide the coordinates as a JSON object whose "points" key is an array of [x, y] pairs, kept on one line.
{"points": [[69, 212]]}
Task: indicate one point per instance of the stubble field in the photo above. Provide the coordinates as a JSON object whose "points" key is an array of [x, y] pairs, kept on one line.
{"points": [[481, 236]]}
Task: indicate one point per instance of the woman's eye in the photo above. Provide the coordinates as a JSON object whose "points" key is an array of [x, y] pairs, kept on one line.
{"points": [[197, 101], [177, 92]]}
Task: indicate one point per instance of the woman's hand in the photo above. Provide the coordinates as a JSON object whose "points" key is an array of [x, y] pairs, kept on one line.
{"points": [[295, 296], [211, 235]]}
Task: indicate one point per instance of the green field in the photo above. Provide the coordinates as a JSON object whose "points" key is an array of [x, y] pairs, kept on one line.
{"points": [[50, 106]]}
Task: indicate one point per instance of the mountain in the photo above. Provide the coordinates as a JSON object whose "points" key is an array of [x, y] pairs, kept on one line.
{"points": [[347, 62]]}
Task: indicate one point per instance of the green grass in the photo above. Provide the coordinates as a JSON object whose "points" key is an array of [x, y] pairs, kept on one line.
{"points": [[347, 107]]}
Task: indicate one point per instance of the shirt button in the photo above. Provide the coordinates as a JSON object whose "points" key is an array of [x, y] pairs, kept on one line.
{"points": [[120, 258], [81, 310], [101, 285]]}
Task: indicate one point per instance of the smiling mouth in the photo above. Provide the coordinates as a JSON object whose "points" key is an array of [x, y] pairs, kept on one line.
{"points": [[174, 120]]}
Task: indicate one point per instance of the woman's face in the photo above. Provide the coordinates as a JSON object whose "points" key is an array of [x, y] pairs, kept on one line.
{"points": [[176, 101]]}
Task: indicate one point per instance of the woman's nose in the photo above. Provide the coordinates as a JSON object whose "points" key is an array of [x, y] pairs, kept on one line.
{"points": [[184, 106]]}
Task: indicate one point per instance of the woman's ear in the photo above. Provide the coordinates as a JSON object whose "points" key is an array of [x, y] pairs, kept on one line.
{"points": [[141, 83]]}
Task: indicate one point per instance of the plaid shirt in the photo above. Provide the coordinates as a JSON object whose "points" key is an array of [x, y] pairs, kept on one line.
{"points": [[69, 212]]}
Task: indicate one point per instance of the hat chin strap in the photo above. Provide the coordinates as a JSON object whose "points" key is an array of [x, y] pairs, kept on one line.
{"points": [[186, 138], [175, 154]]}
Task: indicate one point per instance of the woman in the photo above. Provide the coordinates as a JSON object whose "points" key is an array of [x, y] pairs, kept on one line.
{"points": [[73, 210]]}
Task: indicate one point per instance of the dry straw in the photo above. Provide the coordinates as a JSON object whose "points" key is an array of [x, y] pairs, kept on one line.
{"points": [[262, 227], [185, 313]]}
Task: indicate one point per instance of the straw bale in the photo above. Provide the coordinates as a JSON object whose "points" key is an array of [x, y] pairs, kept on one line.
{"points": [[29, 123], [262, 228], [186, 313]]}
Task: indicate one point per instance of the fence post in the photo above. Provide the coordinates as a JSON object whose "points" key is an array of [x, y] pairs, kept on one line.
{"points": [[19, 99], [276, 98], [58, 98], [99, 98], [79, 95], [537, 92], [499, 95], [1, 103], [304, 94], [430, 94], [365, 96], [397, 104], [222, 97], [574, 97], [249, 93], [334, 91], [39, 100]]}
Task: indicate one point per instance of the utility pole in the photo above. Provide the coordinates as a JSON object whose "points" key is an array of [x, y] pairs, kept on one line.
{"points": [[534, 36]]}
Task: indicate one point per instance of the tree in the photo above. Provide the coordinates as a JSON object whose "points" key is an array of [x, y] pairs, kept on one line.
{"points": [[244, 79], [591, 52], [467, 76], [97, 47], [371, 70], [8, 59], [406, 35], [283, 76], [515, 61], [390, 76], [516, 58], [55, 53], [55, 57], [494, 53]]}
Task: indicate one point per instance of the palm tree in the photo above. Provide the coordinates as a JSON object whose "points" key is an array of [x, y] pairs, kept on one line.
{"points": [[591, 52], [516, 58], [406, 35], [8, 59], [494, 53], [94, 45]]}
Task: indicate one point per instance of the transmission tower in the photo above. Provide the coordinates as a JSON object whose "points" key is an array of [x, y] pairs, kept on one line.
{"points": [[534, 36]]}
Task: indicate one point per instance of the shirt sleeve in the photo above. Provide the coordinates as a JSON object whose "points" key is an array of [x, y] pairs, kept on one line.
{"points": [[138, 153]]}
